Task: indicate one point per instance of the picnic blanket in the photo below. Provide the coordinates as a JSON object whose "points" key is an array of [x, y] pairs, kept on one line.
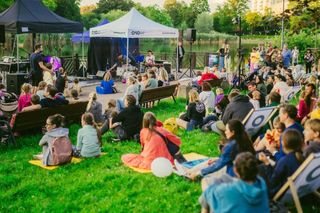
{"points": [[74, 160], [189, 157]]}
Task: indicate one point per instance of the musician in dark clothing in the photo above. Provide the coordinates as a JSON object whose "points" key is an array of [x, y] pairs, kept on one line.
{"points": [[180, 51]]}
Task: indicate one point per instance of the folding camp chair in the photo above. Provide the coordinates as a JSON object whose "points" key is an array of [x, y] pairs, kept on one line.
{"points": [[256, 119], [292, 92], [304, 181]]}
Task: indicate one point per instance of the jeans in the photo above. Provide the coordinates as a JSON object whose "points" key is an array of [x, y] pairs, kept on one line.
{"points": [[192, 124], [120, 105]]}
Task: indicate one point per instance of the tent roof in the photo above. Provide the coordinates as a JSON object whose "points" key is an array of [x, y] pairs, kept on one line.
{"points": [[31, 16], [134, 25], [76, 38]]}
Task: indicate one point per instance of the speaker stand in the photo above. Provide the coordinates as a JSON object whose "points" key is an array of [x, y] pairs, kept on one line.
{"points": [[190, 68]]}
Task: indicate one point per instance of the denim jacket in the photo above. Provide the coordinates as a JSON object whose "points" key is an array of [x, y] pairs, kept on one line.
{"points": [[229, 150]]}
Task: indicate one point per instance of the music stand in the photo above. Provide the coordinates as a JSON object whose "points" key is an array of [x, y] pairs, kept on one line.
{"points": [[190, 68]]}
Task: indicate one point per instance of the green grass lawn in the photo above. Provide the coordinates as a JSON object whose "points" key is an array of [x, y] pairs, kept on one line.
{"points": [[101, 184]]}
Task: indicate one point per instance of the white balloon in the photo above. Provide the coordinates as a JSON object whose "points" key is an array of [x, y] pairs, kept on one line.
{"points": [[161, 167]]}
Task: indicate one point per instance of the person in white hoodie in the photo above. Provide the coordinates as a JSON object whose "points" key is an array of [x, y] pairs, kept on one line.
{"points": [[207, 97]]}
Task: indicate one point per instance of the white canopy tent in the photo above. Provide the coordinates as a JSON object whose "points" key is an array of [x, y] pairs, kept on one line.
{"points": [[134, 25]]}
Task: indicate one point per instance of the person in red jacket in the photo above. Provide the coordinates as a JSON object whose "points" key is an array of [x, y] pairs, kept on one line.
{"points": [[153, 146], [207, 75]]}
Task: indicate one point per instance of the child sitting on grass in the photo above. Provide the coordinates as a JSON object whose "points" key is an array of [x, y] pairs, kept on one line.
{"points": [[74, 96], [271, 136], [88, 139]]}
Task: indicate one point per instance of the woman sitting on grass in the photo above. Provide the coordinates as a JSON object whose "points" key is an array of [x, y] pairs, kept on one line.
{"points": [[196, 111], [246, 193], [277, 176], [88, 139], [107, 84], [153, 145], [54, 129], [238, 141]]}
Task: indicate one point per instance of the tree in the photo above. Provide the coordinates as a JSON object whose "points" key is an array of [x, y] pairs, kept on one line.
{"points": [[177, 13], [222, 19], [199, 6], [51, 4], [69, 9], [169, 4], [204, 23], [113, 15], [104, 6], [158, 15], [90, 19], [254, 20]]}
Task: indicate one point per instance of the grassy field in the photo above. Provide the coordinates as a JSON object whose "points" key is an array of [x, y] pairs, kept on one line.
{"points": [[102, 184]]}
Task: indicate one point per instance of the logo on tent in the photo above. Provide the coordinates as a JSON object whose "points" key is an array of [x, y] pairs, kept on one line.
{"points": [[137, 32]]}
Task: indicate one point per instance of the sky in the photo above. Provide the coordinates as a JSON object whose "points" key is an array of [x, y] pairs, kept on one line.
{"points": [[213, 3]]}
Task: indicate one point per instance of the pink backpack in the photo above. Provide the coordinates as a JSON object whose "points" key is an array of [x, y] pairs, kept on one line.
{"points": [[61, 150]]}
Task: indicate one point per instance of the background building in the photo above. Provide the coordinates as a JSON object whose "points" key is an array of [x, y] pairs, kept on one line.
{"points": [[275, 6]]}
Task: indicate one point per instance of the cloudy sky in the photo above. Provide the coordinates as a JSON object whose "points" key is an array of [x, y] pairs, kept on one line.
{"points": [[212, 3]]}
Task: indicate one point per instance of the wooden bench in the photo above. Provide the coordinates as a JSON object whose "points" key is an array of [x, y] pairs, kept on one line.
{"points": [[36, 119], [214, 82], [156, 94]]}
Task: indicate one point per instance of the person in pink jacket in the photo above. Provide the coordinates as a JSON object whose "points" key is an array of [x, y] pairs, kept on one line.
{"points": [[153, 146], [25, 96]]}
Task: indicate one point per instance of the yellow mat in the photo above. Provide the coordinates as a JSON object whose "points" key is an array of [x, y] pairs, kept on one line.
{"points": [[73, 160], [189, 157]]}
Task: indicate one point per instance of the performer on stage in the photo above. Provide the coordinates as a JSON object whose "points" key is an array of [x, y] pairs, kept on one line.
{"points": [[37, 65], [150, 59], [181, 52]]}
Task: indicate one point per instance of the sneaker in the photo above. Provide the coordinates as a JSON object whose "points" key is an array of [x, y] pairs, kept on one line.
{"points": [[115, 140], [37, 157]]}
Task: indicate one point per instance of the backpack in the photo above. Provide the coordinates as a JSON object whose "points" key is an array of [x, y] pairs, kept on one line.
{"points": [[173, 149], [61, 150], [171, 125]]}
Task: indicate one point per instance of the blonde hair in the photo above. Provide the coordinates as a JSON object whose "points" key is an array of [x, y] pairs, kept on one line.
{"points": [[163, 74], [256, 95], [26, 88], [313, 124], [193, 96], [219, 91], [42, 85], [107, 76], [132, 80], [92, 98]]}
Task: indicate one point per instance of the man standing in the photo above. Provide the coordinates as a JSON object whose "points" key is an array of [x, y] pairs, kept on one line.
{"points": [[286, 55], [180, 51], [37, 66]]}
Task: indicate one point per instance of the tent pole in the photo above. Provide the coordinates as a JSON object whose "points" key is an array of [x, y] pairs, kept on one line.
{"points": [[18, 53], [127, 53], [177, 62], [83, 54]]}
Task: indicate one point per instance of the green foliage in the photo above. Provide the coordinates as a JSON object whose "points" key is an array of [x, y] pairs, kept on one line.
{"points": [[5, 4], [69, 9], [158, 15], [90, 19], [100, 184], [222, 19], [113, 15], [253, 20], [199, 6], [177, 12], [204, 23], [104, 6]]}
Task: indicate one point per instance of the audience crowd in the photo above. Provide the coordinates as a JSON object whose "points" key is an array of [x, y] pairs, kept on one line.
{"points": [[250, 169]]}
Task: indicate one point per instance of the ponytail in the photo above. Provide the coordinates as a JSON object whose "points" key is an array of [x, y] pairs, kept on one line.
{"points": [[89, 119]]}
